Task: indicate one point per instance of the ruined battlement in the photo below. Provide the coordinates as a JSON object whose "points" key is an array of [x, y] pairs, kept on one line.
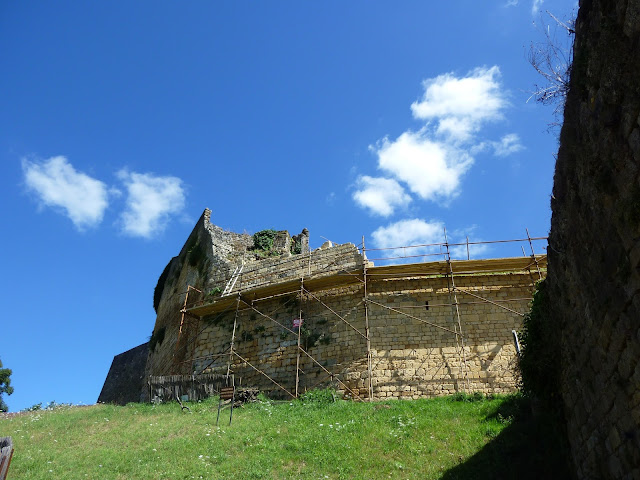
{"points": [[285, 318], [214, 262]]}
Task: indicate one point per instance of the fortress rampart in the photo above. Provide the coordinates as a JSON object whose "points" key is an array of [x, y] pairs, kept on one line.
{"points": [[399, 331], [415, 351]]}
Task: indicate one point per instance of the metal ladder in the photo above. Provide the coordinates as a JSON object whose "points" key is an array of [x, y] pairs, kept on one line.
{"points": [[232, 281]]}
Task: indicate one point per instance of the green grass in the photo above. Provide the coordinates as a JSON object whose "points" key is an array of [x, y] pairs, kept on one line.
{"points": [[420, 439]]}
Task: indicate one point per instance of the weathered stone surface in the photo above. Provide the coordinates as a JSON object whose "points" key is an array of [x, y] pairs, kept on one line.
{"points": [[413, 356], [126, 378], [594, 269], [206, 262]]}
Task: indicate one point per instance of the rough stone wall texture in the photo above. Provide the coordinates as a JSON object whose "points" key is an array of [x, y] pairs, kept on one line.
{"points": [[208, 259], [411, 357], [323, 261], [126, 377], [594, 243]]}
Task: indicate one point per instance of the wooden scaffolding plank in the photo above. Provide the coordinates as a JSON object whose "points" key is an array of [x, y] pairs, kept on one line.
{"points": [[388, 272], [460, 266]]}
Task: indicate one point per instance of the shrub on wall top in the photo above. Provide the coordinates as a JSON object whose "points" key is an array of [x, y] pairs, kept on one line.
{"points": [[263, 240]]}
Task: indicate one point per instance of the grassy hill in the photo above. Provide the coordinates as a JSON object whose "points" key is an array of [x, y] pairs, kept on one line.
{"points": [[452, 437]]}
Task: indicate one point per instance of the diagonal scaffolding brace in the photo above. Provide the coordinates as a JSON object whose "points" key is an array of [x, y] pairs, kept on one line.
{"points": [[459, 338], [364, 277]]}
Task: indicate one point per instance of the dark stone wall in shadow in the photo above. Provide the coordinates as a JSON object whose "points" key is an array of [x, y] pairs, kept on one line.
{"points": [[126, 377], [594, 243]]}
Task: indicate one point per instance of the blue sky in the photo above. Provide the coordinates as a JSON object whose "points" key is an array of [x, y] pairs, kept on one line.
{"points": [[121, 121]]}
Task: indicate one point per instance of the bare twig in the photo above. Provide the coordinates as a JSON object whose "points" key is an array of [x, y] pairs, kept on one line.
{"points": [[552, 59]]}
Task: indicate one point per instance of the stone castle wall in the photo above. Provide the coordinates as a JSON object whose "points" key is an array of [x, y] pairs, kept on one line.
{"points": [[125, 380], [594, 243], [208, 259], [319, 262], [411, 357]]}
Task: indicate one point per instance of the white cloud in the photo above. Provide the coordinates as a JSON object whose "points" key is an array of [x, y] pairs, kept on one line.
{"points": [[408, 232], [535, 7], [418, 240], [430, 168], [461, 105], [405, 233], [507, 145], [151, 200], [460, 252], [432, 161], [380, 195], [58, 185]]}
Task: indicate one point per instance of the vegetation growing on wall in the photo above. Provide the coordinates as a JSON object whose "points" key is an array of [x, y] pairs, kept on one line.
{"points": [[540, 363], [263, 243], [309, 338], [296, 245], [263, 240], [214, 292], [540, 356], [157, 337]]}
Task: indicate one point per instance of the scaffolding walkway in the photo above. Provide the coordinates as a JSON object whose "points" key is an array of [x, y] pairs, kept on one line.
{"points": [[197, 305]]}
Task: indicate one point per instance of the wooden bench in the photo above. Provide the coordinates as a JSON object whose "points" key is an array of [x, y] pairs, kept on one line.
{"points": [[6, 452]]}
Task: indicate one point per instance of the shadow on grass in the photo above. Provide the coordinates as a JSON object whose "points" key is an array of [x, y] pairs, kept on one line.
{"points": [[528, 448]]}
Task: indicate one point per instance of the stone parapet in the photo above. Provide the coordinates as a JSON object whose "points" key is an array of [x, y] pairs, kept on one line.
{"points": [[312, 264]]}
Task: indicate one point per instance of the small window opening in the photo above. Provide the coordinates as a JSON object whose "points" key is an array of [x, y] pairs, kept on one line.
{"points": [[426, 304]]}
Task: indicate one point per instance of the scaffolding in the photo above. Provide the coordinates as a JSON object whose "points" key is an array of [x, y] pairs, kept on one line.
{"points": [[438, 260]]}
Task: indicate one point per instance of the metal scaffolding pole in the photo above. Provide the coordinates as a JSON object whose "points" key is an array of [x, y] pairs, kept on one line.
{"points": [[533, 255], [459, 338], [184, 330], [299, 332], [233, 335], [366, 322], [315, 284]]}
